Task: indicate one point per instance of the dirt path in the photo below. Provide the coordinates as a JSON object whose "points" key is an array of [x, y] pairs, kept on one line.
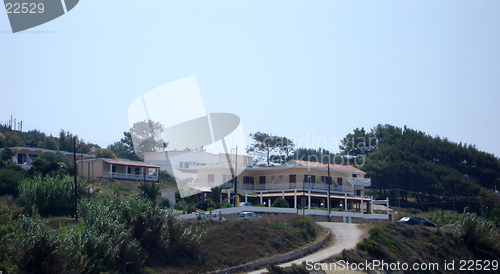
{"points": [[346, 237]]}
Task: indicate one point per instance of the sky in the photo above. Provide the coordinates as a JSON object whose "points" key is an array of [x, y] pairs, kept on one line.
{"points": [[308, 70]]}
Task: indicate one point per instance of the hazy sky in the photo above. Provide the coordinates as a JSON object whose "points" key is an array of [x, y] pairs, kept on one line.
{"points": [[308, 70]]}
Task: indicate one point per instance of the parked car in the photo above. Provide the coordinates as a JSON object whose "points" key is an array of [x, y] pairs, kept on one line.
{"points": [[249, 215], [246, 204], [416, 221]]}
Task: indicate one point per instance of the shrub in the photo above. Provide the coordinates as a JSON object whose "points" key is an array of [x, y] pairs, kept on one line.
{"points": [[280, 202], [226, 205], [40, 250], [107, 242], [164, 203], [52, 195], [479, 235], [6, 235]]}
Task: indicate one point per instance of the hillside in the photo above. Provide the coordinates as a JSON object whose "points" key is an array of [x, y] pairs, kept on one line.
{"points": [[417, 170], [471, 245]]}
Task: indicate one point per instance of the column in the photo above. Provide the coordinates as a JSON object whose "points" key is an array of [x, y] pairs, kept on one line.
{"points": [[229, 195], [126, 172], [295, 200], [362, 211], [387, 205], [371, 204], [246, 201], [283, 194], [261, 201], [309, 199], [269, 205], [110, 170], [345, 200]]}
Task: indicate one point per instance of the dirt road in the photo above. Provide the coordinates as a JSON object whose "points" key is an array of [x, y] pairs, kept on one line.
{"points": [[346, 237]]}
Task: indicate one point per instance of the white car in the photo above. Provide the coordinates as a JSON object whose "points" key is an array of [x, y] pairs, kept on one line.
{"points": [[249, 215], [245, 204]]}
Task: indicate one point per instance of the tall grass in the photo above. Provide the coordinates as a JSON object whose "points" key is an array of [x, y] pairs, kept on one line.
{"points": [[51, 195]]}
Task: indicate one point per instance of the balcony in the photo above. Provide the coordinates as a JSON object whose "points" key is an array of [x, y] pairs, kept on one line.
{"points": [[116, 175], [298, 186]]}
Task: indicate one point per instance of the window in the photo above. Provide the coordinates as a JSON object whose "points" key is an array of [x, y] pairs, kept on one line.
{"points": [[262, 180], [272, 178], [339, 181], [280, 177], [21, 158], [137, 171], [248, 179], [211, 178], [313, 179], [129, 170], [357, 192], [354, 175], [292, 178], [113, 168]]}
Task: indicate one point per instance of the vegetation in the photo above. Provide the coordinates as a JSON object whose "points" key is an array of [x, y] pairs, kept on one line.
{"points": [[270, 149], [429, 171], [472, 238], [280, 202], [51, 196]]}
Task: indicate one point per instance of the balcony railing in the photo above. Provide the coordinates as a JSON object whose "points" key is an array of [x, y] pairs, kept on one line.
{"points": [[298, 186], [116, 175]]}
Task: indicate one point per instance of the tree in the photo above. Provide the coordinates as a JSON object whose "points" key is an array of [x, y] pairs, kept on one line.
{"points": [[264, 145], [34, 138], [11, 139], [50, 143], [358, 143], [6, 154], [51, 164], [125, 148], [285, 146], [104, 153], [150, 191], [146, 137]]}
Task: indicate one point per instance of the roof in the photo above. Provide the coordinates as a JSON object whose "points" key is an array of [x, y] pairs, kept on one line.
{"points": [[128, 163], [332, 166], [33, 149]]}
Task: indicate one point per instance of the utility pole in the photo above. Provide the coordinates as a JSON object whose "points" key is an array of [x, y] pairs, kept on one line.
{"points": [[329, 183], [76, 186], [236, 179]]}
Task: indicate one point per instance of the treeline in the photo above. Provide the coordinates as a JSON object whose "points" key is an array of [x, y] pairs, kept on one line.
{"points": [[434, 171], [37, 139]]}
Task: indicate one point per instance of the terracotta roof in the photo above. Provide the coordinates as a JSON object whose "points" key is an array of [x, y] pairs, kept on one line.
{"points": [[332, 166], [128, 163]]}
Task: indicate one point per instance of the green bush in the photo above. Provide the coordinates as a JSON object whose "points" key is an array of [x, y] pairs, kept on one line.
{"points": [[164, 203], [10, 176], [6, 236], [280, 202], [226, 205], [480, 235], [40, 249], [52, 195]]}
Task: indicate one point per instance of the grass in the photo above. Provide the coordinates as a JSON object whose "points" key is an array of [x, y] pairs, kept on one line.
{"points": [[393, 242], [238, 241]]}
